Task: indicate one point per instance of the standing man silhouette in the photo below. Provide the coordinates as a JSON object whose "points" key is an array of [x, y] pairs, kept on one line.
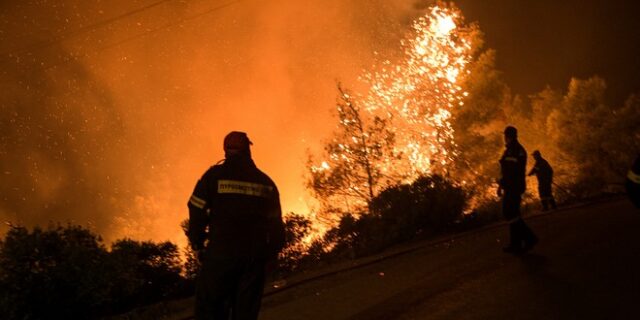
{"points": [[632, 182], [235, 225], [512, 185]]}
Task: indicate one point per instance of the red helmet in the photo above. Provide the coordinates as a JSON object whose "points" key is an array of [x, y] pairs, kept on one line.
{"points": [[236, 141], [511, 131]]}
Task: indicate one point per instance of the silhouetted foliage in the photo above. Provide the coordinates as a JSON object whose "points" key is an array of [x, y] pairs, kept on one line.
{"points": [[191, 264], [598, 139], [53, 273], [588, 141], [478, 125], [146, 271], [351, 170], [398, 214], [65, 272], [296, 227]]}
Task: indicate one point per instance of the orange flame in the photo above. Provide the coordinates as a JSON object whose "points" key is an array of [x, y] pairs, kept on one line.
{"points": [[416, 96]]}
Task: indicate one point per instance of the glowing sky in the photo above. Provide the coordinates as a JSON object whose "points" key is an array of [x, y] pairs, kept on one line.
{"points": [[111, 110], [112, 124], [546, 42]]}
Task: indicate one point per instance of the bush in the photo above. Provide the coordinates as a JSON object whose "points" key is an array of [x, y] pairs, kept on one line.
{"points": [[145, 272], [428, 205], [52, 273], [65, 272], [296, 228]]}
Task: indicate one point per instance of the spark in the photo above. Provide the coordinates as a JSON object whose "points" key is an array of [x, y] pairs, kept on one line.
{"points": [[419, 93], [415, 98]]}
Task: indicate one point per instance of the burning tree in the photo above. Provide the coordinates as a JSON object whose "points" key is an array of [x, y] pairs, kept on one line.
{"points": [[352, 175], [478, 125], [440, 110], [419, 93], [401, 128]]}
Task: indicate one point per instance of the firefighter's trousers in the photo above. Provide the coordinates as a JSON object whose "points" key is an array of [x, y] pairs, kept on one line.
{"points": [[519, 232], [229, 288]]}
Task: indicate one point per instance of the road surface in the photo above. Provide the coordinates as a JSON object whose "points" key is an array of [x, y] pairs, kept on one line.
{"points": [[586, 266]]}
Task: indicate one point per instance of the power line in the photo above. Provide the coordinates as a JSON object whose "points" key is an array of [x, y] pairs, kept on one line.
{"points": [[85, 29], [171, 24], [160, 28], [97, 25]]}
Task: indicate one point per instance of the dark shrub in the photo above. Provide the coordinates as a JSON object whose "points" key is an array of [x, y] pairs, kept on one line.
{"points": [[145, 272], [55, 273], [398, 214], [296, 228], [67, 273]]}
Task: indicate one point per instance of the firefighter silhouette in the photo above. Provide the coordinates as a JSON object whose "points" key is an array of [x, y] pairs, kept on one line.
{"points": [[235, 211], [511, 186], [544, 173], [632, 182]]}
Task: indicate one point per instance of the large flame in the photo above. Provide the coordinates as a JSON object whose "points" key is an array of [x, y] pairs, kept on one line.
{"points": [[419, 93], [415, 97]]}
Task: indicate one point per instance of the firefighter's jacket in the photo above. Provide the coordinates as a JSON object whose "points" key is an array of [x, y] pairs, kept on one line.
{"points": [[543, 171], [513, 164], [632, 182], [236, 207]]}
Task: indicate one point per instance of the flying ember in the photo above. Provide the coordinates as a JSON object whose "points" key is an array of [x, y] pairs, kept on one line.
{"points": [[418, 93], [400, 128]]}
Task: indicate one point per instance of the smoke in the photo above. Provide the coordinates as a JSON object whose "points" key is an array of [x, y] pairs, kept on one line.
{"points": [[111, 124]]}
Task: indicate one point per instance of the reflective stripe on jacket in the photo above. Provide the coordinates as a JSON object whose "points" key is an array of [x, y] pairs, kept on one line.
{"points": [[513, 164], [236, 207]]}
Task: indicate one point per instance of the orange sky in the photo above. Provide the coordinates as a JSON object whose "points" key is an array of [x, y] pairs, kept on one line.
{"points": [[111, 110], [113, 124]]}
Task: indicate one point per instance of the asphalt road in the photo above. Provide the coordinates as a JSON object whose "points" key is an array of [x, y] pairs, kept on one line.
{"points": [[586, 266]]}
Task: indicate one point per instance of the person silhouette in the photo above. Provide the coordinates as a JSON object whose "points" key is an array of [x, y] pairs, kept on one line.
{"points": [[544, 173], [632, 182], [511, 186], [235, 225]]}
